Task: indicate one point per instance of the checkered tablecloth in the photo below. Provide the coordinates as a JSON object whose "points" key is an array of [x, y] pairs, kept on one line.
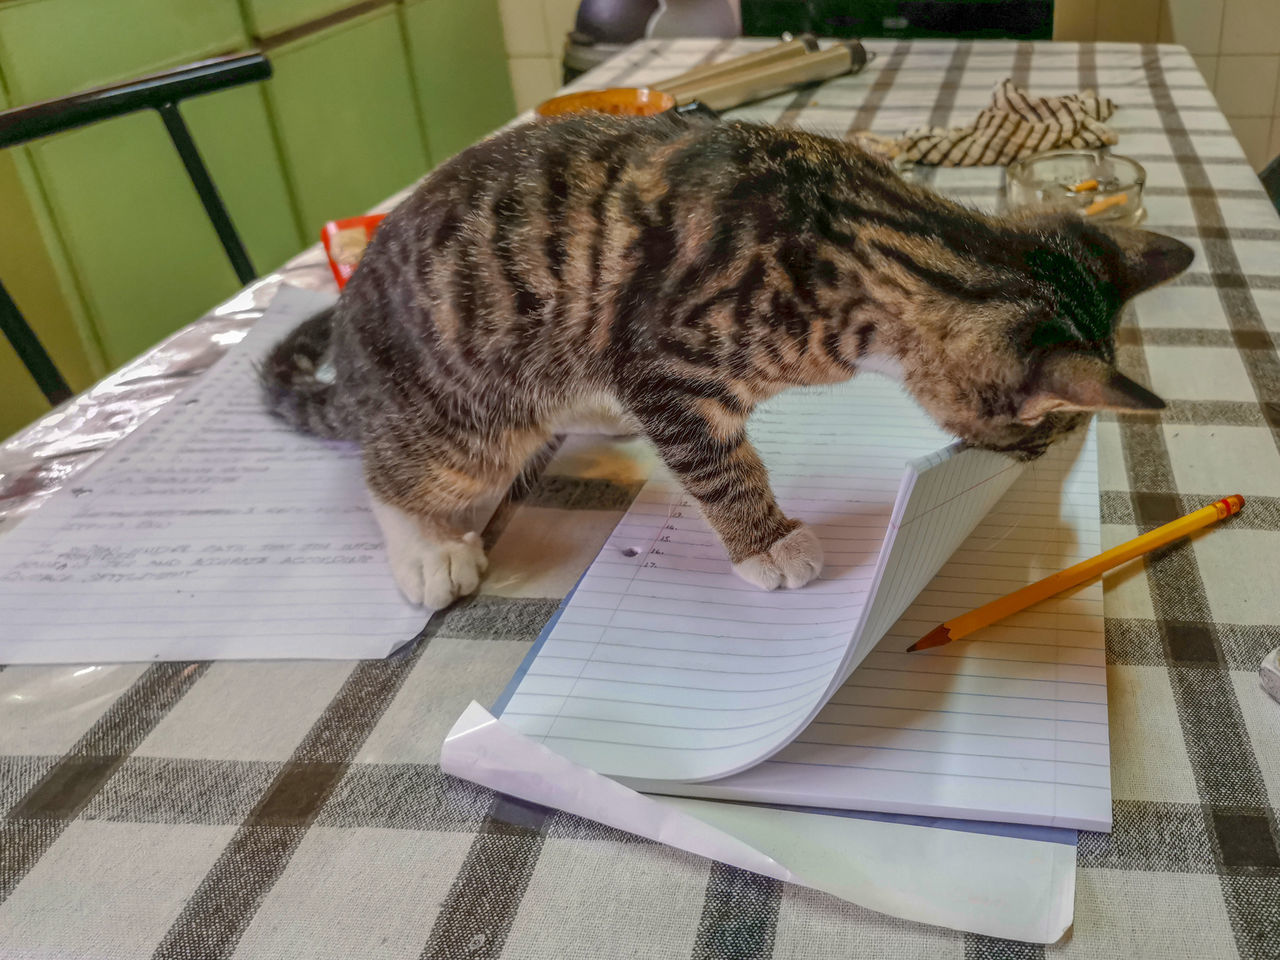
{"points": [[264, 810]]}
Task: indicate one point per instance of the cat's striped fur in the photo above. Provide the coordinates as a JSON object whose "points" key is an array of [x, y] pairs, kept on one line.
{"points": [[670, 274]]}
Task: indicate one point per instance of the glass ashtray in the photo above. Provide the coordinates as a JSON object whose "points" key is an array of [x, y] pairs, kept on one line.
{"points": [[1098, 185]]}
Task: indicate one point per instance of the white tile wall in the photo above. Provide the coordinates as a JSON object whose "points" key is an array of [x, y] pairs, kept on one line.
{"points": [[1208, 64], [1128, 20], [1246, 84], [1250, 26], [1236, 44], [1196, 25], [533, 79], [535, 33]]}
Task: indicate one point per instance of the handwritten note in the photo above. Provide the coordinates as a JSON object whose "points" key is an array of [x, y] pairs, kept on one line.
{"points": [[213, 531]]}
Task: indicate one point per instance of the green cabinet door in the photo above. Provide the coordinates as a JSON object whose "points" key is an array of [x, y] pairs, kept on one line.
{"points": [[233, 132], [37, 282], [147, 259], [54, 47], [344, 106], [268, 17], [145, 255], [460, 69]]}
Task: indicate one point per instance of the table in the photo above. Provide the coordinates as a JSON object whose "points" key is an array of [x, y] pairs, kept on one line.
{"points": [[296, 809]]}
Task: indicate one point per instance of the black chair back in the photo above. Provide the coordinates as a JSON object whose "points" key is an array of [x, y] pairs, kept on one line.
{"points": [[161, 92]]}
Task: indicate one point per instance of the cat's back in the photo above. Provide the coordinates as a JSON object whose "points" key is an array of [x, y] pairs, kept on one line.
{"points": [[486, 271], [544, 185], [537, 167], [542, 245], [506, 213]]}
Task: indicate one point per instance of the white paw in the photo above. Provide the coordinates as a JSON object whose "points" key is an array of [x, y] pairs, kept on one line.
{"points": [[436, 573], [792, 561], [429, 570]]}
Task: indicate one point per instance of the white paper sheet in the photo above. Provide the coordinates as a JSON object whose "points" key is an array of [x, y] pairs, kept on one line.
{"points": [[212, 532], [665, 665], [1003, 886]]}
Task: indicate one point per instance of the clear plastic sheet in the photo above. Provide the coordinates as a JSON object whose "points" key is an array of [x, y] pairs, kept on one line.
{"points": [[38, 461]]}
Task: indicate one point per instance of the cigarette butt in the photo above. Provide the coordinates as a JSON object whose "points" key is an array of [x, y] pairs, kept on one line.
{"points": [[1084, 185], [1105, 203]]}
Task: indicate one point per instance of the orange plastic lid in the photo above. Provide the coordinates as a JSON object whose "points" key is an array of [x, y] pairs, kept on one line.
{"points": [[344, 243], [619, 101]]}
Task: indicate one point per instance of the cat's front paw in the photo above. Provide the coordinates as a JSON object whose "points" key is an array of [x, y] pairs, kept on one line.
{"points": [[434, 573], [792, 561]]}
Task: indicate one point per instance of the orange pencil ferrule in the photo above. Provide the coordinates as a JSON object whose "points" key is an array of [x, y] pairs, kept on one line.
{"points": [[1229, 506]]}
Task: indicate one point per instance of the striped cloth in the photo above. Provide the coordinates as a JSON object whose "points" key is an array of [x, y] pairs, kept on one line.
{"points": [[279, 810], [1016, 125]]}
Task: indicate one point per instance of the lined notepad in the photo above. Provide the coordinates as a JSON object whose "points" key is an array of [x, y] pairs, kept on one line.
{"points": [[668, 672], [665, 665], [214, 531], [1010, 725]]}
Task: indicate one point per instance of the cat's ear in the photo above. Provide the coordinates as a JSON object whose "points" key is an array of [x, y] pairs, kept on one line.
{"points": [[1146, 259], [1078, 382]]}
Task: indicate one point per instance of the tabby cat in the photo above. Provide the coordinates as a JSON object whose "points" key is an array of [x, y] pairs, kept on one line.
{"points": [[666, 275]]}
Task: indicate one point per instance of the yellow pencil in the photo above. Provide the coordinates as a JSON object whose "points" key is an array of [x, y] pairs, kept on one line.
{"points": [[967, 623]]}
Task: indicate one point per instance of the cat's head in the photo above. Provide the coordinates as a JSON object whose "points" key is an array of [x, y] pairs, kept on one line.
{"points": [[1018, 370]]}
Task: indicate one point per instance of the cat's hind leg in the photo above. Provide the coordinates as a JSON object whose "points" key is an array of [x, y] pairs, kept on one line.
{"points": [[432, 499]]}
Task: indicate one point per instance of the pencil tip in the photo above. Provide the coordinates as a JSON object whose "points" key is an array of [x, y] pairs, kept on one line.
{"points": [[934, 638]]}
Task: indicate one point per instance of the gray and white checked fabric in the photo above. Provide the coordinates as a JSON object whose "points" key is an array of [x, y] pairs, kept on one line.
{"points": [[263, 810]]}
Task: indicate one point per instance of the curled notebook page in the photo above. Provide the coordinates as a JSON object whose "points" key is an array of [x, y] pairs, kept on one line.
{"points": [[1009, 725], [214, 531], [664, 665]]}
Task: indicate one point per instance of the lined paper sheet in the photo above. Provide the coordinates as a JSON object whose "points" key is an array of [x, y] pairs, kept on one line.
{"points": [[1010, 725], [944, 495], [666, 665], [212, 532]]}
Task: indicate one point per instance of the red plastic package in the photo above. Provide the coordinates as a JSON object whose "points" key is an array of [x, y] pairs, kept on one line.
{"points": [[344, 242]]}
